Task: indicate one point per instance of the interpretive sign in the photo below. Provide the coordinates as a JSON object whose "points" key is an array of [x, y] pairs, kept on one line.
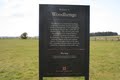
{"points": [[64, 40]]}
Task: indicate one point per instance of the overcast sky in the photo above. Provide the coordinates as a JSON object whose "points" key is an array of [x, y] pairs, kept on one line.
{"points": [[18, 16]]}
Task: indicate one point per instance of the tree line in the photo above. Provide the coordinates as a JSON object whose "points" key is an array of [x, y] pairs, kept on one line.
{"points": [[24, 35], [104, 34]]}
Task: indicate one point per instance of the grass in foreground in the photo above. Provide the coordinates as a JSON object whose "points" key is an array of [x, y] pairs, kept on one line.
{"points": [[105, 60], [19, 60]]}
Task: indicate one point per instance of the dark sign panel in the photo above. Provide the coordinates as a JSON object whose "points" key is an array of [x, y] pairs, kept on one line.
{"points": [[64, 40]]}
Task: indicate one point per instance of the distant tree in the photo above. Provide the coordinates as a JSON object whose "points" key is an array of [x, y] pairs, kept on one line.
{"points": [[104, 34], [24, 35]]}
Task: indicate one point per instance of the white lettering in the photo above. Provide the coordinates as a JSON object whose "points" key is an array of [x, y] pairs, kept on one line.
{"points": [[64, 14]]}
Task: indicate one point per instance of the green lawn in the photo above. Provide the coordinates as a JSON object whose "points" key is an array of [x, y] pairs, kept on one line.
{"points": [[105, 60], [19, 60]]}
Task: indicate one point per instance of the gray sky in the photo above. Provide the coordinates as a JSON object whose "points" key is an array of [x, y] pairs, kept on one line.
{"points": [[18, 16]]}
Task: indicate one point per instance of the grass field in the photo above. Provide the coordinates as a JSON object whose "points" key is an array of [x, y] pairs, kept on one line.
{"points": [[105, 60], [19, 60]]}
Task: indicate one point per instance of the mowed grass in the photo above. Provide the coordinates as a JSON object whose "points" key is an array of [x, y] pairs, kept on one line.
{"points": [[19, 60], [105, 60]]}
